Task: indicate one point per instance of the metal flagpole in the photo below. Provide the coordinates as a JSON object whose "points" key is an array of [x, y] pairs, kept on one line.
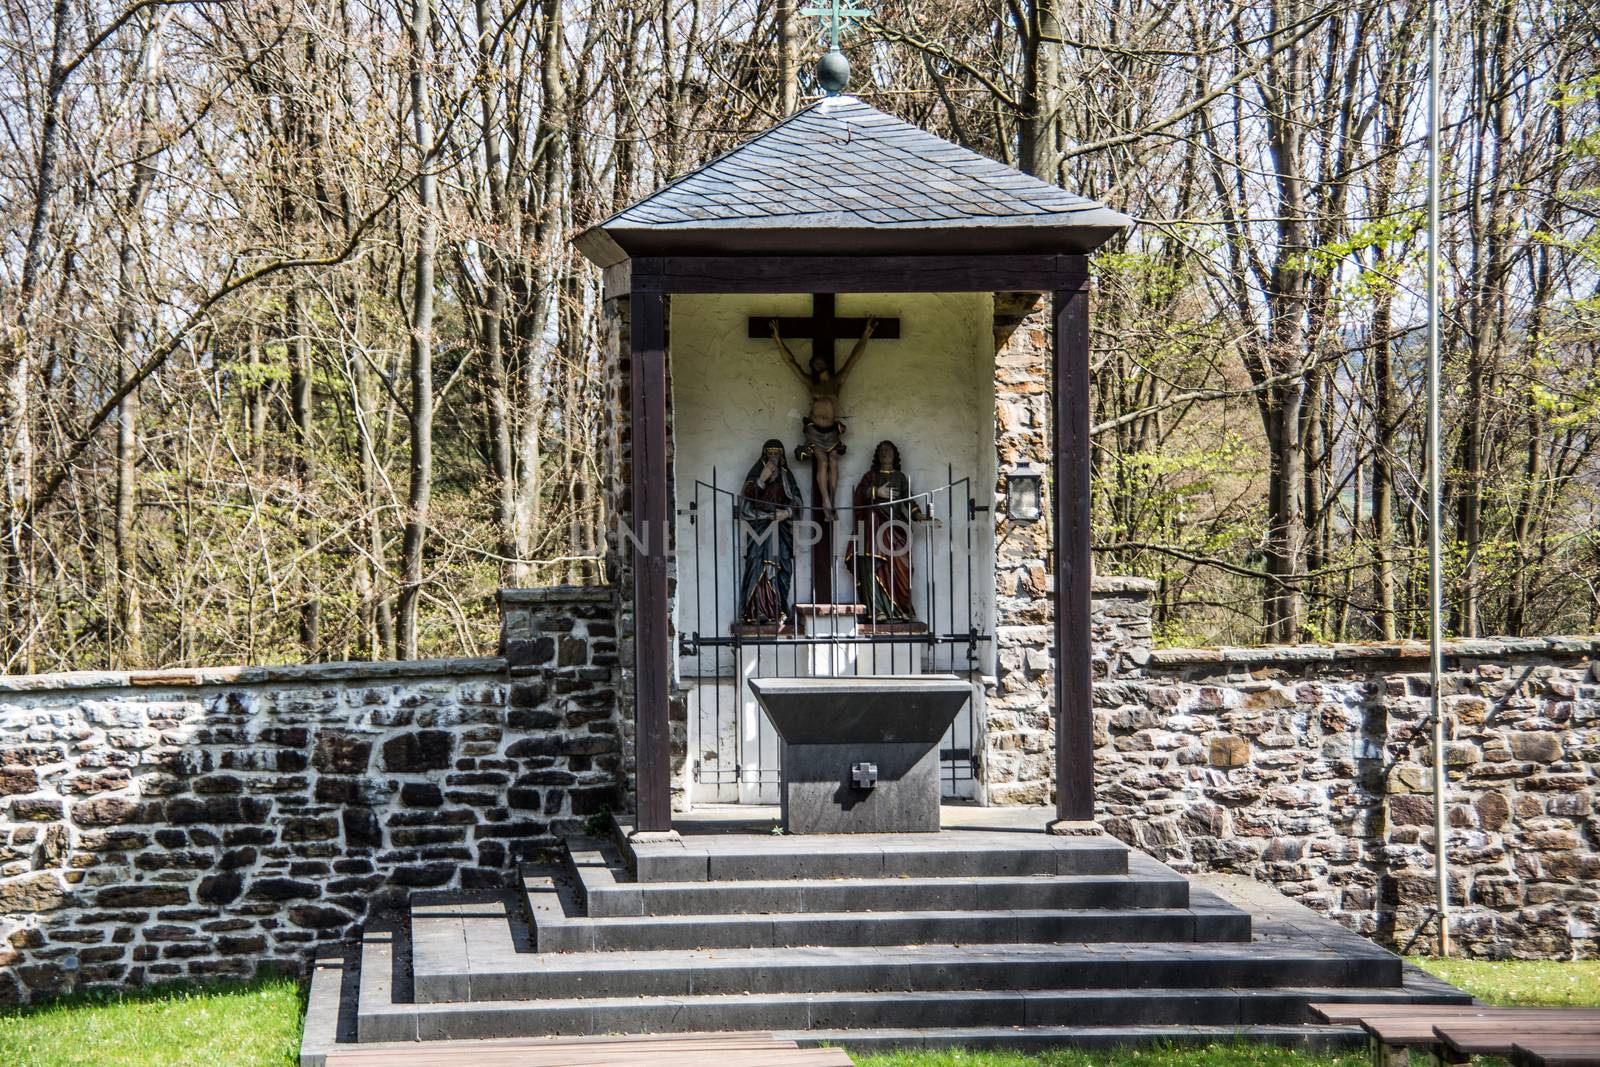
{"points": [[1435, 590]]}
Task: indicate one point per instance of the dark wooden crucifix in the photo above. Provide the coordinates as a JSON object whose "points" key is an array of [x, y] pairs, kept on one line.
{"points": [[822, 328]]}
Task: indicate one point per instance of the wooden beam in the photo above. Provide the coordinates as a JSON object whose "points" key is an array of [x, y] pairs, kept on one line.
{"points": [[652, 737], [852, 274], [1069, 493]]}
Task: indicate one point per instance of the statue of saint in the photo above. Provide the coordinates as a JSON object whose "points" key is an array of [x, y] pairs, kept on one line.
{"points": [[822, 428], [880, 549], [767, 507]]}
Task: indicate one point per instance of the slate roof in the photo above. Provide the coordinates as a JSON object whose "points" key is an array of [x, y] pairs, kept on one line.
{"points": [[841, 176]]}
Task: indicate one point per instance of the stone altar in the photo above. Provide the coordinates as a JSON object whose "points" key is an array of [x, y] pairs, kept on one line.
{"points": [[861, 755]]}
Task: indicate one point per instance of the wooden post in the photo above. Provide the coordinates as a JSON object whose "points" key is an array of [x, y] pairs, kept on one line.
{"points": [[1069, 494], [652, 738]]}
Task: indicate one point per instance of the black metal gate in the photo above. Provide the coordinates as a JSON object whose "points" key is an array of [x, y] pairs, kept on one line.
{"points": [[733, 750]]}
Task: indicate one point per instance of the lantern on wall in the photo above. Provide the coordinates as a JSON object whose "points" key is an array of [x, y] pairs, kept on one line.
{"points": [[1024, 493]]}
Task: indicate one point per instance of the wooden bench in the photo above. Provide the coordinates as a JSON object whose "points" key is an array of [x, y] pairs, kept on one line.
{"points": [[667, 1050], [1393, 1029]]}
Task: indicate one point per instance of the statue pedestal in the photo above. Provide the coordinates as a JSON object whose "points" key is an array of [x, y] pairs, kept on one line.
{"points": [[861, 755], [830, 631]]}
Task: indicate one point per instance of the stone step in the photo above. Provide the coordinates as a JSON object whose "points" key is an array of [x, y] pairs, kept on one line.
{"points": [[945, 854], [839, 1015], [1044, 1038], [380, 1018], [868, 1020], [606, 890], [477, 959], [558, 926]]}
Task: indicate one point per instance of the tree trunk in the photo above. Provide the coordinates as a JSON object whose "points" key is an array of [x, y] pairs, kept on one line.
{"points": [[421, 345], [128, 646], [1286, 310], [302, 402], [1383, 427], [1531, 497], [547, 220], [492, 316], [788, 58], [1040, 147], [16, 368], [1489, 204]]}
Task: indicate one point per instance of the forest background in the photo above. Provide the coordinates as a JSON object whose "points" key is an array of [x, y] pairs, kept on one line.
{"points": [[297, 361]]}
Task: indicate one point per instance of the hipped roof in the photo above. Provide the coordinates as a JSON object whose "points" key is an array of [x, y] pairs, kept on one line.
{"points": [[841, 177]]}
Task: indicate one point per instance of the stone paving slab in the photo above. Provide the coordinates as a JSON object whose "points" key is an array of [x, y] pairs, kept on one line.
{"points": [[512, 975], [556, 929], [974, 894], [1043, 1038], [863, 1010], [735, 856]]}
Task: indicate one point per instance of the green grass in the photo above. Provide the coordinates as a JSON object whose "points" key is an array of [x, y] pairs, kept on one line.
{"points": [[254, 1025], [258, 1025], [1562, 983]]}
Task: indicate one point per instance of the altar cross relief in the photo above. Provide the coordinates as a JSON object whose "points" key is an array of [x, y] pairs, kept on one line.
{"points": [[823, 327]]}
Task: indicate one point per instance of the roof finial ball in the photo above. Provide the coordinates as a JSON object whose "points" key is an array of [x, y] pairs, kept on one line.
{"points": [[833, 69], [833, 72]]}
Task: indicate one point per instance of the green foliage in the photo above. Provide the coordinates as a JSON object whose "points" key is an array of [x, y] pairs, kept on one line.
{"points": [[248, 376], [599, 824], [1391, 234], [1571, 94]]}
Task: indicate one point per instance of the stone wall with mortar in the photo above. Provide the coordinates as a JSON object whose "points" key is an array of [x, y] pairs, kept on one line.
{"points": [[1308, 767], [1017, 755], [201, 823]]}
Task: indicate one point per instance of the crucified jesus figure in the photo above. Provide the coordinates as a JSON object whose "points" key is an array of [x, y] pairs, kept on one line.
{"points": [[822, 428]]}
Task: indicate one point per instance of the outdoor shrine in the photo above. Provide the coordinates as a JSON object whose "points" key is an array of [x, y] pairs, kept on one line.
{"points": [[828, 457]]}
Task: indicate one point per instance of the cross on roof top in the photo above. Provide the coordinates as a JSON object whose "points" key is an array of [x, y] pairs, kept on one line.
{"points": [[835, 13]]}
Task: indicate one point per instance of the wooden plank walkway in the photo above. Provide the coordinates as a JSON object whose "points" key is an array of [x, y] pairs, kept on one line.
{"points": [[668, 1050], [1549, 1037], [1460, 1041], [1572, 1050]]}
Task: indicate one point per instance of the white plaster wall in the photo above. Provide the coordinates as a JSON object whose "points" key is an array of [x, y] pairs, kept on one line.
{"points": [[931, 392]]}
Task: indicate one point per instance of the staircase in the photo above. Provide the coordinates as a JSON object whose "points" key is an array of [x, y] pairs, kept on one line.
{"points": [[984, 935]]}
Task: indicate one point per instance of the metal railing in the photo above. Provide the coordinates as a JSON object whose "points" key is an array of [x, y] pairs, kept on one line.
{"points": [[734, 753]]}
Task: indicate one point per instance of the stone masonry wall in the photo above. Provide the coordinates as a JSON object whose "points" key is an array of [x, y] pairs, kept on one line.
{"points": [[1017, 754], [1019, 737], [200, 823], [1309, 767]]}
